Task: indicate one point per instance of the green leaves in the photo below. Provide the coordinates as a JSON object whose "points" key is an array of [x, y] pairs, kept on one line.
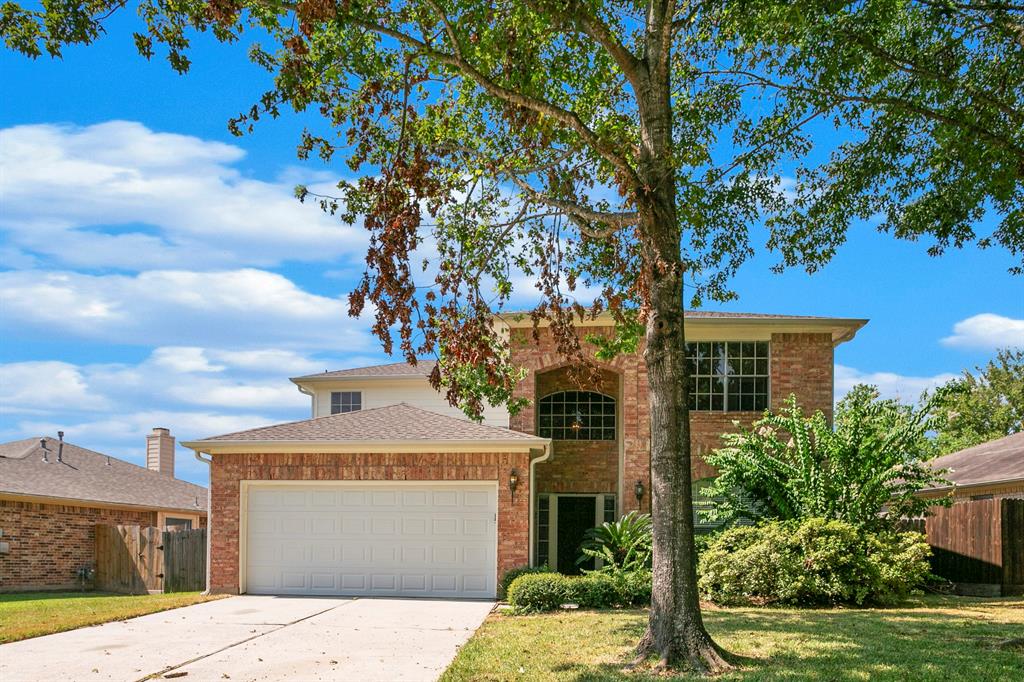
{"points": [[788, 466], [623, 546], [982, 406]]}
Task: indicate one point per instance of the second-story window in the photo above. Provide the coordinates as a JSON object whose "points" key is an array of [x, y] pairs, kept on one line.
{"points": [[576, 415], [730, 376], [346, 401]]}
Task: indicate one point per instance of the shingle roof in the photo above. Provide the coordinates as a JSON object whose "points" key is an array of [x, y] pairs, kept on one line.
{"points": [[85, 475], [996, 460], [401, 422], [702, 314], [423, 368]]}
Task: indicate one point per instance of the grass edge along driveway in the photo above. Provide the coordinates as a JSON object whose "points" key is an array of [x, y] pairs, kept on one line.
{"points": [[32, 614], [934, 638]]}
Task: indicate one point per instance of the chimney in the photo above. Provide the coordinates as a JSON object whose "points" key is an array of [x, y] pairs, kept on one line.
{"points": [[160, 451]]}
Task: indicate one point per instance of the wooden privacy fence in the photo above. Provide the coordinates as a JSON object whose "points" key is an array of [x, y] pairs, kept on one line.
{"points": [[140, 560], [979, 545]]}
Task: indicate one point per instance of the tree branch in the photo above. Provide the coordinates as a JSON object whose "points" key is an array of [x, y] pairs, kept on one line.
{"points": [[581, 216], [540, 106]]}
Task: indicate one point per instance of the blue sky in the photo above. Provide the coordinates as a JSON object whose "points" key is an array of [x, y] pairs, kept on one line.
{"points": [[157, 272]]}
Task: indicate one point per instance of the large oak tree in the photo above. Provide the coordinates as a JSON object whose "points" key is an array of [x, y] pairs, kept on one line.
{"points": [[629, 146]]}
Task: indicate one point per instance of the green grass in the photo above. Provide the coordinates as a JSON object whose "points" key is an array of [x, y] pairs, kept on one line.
{"points": [[945, 639], [30, 614]]}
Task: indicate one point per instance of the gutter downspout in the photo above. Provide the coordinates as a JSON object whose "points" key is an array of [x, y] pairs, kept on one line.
{"points": [[209, 518], [533, 494]]}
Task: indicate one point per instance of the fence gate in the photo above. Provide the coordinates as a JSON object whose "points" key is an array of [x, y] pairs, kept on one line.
{"points": [[141, 560]]}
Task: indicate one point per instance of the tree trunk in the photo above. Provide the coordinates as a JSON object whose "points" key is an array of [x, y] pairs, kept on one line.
{"points": [[675, 631]]}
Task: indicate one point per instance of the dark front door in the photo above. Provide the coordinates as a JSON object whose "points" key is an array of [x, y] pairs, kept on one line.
{"points": [[575, 517]]}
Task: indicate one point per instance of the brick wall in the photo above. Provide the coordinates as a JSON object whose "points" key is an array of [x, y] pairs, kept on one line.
{"points": [[579, 466], [800, 364], [228, 471], [49, 543]]}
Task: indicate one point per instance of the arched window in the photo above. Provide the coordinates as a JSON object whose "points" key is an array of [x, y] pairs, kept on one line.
{"points": [[577, 415]]}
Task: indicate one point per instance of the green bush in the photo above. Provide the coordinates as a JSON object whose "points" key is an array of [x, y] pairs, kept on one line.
{"points": [[539, 592], [513, 573], [622, 546], [533, 592], [636, 588], [596, 591], [812, 562]]}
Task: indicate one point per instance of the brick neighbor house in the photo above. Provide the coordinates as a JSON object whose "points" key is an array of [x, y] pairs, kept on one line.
{"points": [[387, 490], [54, 493]]}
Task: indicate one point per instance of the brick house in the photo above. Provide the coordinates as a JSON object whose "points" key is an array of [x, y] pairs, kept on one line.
{"points": [[388, 490], [54, 493]]}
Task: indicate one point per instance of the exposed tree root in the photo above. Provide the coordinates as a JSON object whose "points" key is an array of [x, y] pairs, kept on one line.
{"points": [[701, 656]]}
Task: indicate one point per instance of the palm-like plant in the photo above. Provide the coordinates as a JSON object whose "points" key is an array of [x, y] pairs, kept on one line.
{"points": [[622, 546]]}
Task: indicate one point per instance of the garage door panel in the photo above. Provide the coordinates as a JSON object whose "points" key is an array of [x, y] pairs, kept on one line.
{"points": [[434, 539]]}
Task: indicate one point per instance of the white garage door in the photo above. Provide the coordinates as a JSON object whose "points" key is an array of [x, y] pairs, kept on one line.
{"points": [[361, 539]]}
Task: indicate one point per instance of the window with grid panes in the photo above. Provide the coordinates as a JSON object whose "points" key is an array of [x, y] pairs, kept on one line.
{"points": [[728, 376], [346, 401], [543, 529], [609, 509], [576, 415]]}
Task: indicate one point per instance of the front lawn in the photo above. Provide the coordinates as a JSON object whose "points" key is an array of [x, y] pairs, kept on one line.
{"points": [[936, 638], [30, 614]]}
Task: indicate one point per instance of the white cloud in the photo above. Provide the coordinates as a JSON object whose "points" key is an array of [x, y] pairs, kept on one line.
{"points": [[46, 386], [175, 307], [891, 385], [184, 359], [118, 194], [988, 331], [194, 391]]}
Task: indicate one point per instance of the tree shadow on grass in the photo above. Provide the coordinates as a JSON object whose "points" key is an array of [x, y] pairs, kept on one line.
{"points": [[903, 644]]}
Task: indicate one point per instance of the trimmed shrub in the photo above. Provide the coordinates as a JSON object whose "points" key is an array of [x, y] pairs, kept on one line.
{"points": [[812, 562], [533, 592], [636, 588], [513, 573], [596, 591], [539, 592]]}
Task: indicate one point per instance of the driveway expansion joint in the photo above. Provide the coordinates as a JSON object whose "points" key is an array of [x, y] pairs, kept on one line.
{"points": [[274, 628]]}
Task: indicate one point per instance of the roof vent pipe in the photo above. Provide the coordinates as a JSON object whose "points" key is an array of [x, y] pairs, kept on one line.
{"points": [[42, 444], [108, 460], [60, 447]]}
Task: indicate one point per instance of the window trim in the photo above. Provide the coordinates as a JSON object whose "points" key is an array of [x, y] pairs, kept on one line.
{"points": [[614, 428], [341, 401], [725, 395]]}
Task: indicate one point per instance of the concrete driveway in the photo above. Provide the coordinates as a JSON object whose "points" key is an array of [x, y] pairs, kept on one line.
{"points": [[258, 638]]}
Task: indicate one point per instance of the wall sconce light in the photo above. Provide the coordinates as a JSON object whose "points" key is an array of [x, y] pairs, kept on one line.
{"points": [[638, 490], [513, 483]]}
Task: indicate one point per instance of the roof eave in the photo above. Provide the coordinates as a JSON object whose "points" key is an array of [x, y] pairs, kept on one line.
{"points": [[975, 484], [369, 446], [361, 377], [104, 504]]}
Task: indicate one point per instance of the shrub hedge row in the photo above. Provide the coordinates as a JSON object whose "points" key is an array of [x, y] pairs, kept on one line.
{"points": [[533, 592], [810, 562]]}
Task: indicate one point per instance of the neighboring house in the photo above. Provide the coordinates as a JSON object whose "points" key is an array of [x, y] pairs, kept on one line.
{"points": [[991, 470], [53, 493], [389, 491]]}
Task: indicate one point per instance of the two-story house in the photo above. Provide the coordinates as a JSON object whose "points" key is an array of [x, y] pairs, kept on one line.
{"points": [[388, 490]]}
